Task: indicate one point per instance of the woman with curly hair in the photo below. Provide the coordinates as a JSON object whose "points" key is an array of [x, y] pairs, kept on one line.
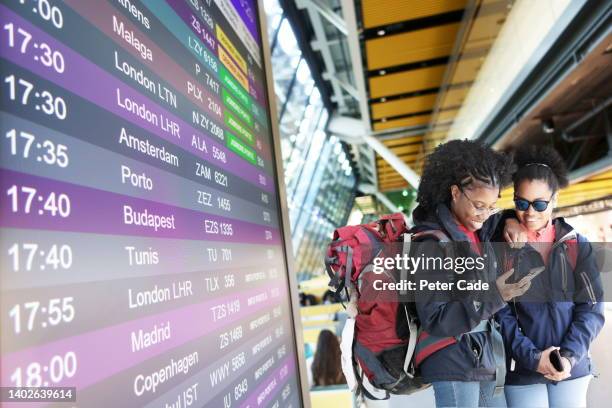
{"points": [[460, 350], [549, 330]]}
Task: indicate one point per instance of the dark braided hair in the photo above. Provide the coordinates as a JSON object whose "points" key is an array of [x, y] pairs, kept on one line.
{"points": [[540, 163], [461, 163]]}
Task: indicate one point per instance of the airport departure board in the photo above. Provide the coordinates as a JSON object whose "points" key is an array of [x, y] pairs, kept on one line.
{"points": [[143, 258]]}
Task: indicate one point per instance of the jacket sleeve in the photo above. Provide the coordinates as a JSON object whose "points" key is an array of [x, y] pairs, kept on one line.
{"points": [[588, 306], [521, 347], [453, 317]]}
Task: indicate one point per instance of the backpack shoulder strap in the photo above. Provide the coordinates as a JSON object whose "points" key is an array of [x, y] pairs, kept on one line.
{"points": [[573, 250], [428, 344], [437, 234]]}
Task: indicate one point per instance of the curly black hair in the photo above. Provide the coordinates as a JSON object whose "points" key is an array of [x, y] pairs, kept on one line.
{"points": [[540, 163], [461, 163]]}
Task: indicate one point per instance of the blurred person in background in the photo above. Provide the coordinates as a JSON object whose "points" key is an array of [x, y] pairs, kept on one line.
{"points": [[330, 297], [326, 366], [559, 327]]}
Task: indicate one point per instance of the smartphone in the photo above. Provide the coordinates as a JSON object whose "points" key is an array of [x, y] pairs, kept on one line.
{"points": [[533, 272], [555, 360]]}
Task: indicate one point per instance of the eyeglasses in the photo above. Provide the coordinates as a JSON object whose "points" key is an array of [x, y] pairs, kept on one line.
{"points": [[480, 210], [523, 205]]}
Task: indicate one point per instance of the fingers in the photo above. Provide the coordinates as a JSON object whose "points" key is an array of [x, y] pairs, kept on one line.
{"points": [[519, 288], [511, 290], [547, 371], [524, 281], [557, 376], [515, 239], [525, 288], [507, 237], [567, 365], [510, 239], [504, 276], [524, 284]]}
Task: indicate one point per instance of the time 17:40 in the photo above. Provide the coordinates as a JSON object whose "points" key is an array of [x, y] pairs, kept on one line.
{"points": [[26, 199], [30, 256]]}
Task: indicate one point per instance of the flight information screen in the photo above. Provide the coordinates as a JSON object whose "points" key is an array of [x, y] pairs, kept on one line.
{"points": [[142, 251]]}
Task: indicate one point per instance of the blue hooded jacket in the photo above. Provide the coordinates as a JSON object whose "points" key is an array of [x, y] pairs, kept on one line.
{"points": [[569, 314]]}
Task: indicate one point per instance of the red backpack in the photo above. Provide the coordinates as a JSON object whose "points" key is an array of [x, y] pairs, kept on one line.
{"points": [[379, 359]]}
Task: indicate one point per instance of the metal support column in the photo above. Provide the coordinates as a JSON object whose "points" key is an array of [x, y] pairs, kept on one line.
{"points": [[351, 131]]}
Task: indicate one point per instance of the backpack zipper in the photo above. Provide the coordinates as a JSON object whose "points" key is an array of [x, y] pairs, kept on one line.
{"points": [[563, 274], [589, 286], [566, 237]]}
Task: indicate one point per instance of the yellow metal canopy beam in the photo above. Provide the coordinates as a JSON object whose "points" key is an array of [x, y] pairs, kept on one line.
{"points": [[403, 122], [403, 106], [384, 12], [411, 148], [413, 46], [407, 81], [402, 140]]}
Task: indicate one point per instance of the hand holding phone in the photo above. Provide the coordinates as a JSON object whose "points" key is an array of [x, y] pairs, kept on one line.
{"points": [[555, 360], [533, 272], [511, 290]]}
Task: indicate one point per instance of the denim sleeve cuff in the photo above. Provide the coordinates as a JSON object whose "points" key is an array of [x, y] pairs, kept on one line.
{"points": [[535, 360]]}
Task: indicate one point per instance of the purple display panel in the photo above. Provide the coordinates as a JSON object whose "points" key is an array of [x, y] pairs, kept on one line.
{"points": [[248, 13], [37, 202], [159, 285], [107, 351], [92, 83]]}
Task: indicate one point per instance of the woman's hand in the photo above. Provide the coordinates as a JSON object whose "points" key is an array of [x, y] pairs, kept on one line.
{"points": [[515, 234], [545, 367], [511, 290], [561, 375], [549, 372]]}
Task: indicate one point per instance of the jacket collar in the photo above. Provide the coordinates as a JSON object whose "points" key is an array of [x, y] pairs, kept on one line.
{"points": [[563, 230], [447, 221]]}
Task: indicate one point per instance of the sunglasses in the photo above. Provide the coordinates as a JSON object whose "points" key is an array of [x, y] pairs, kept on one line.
{"points": [[523, 205]]}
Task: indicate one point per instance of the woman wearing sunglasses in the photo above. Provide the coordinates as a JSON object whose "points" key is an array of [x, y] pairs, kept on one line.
{"points": [[459, 187], [548, 331]]}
